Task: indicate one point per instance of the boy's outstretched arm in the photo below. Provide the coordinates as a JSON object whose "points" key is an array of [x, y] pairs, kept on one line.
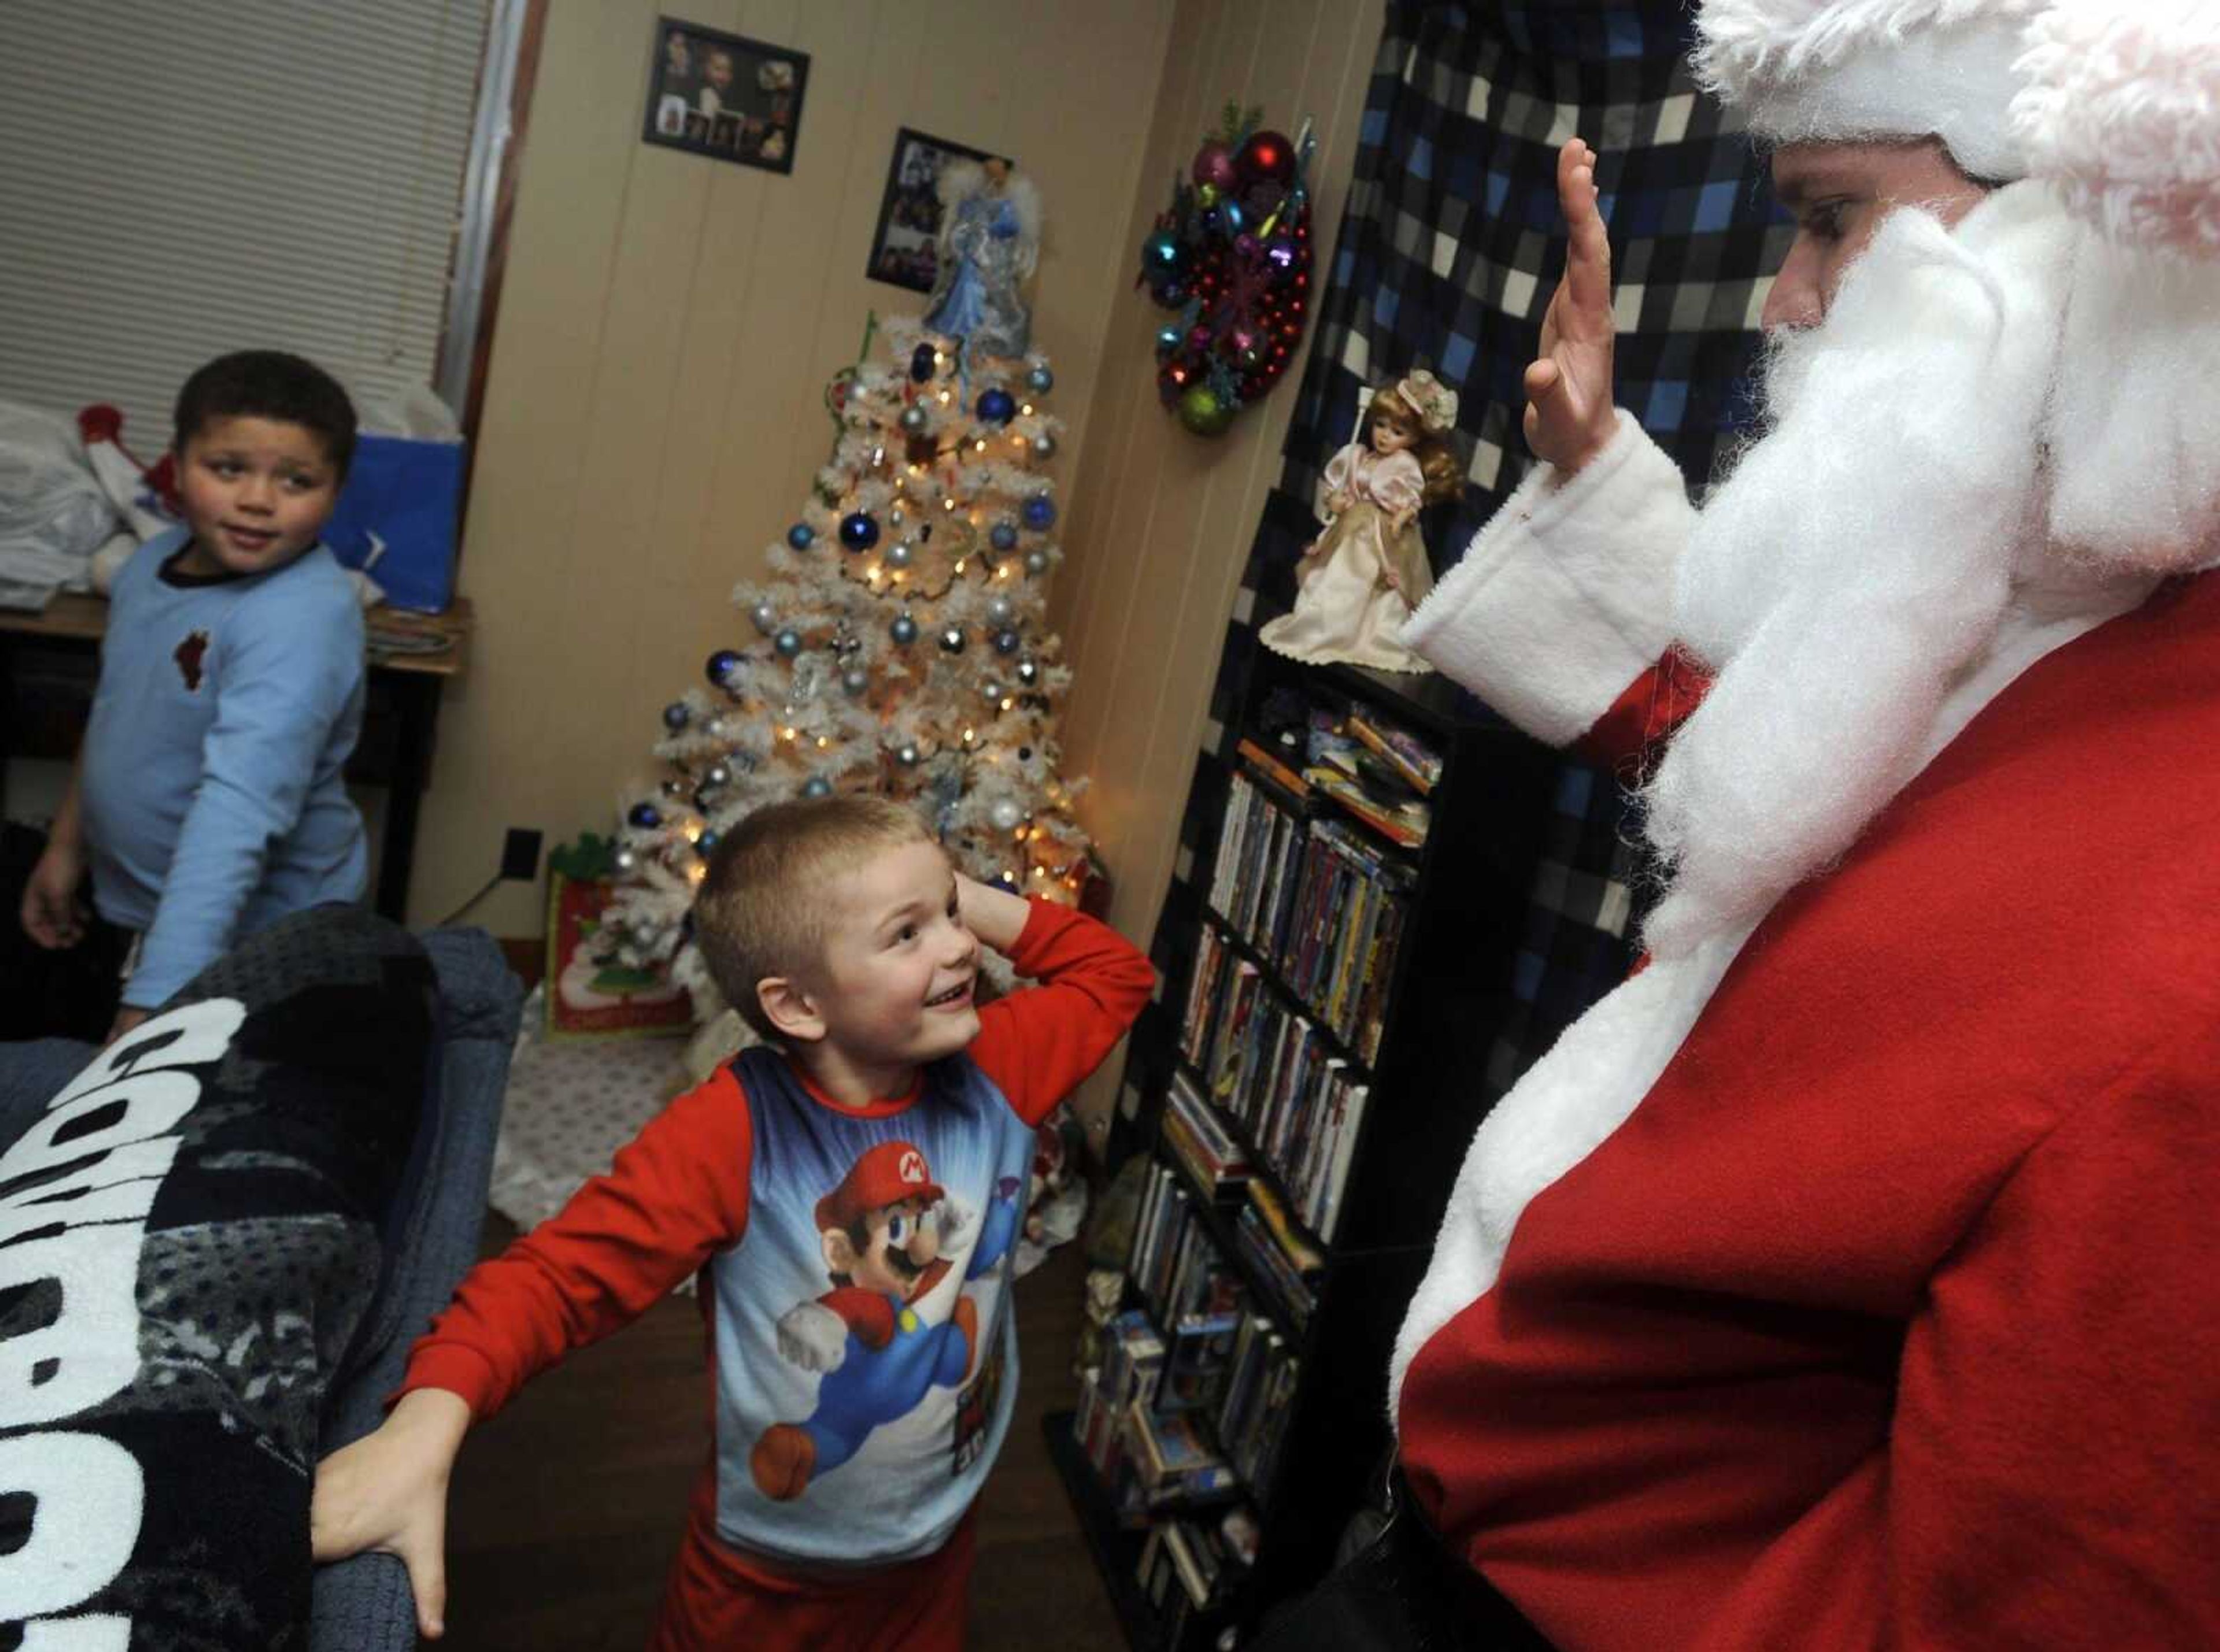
{"points": [[388, 1490]]}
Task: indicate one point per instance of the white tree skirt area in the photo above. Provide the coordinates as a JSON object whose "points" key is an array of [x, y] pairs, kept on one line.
{"points": [[571, 1103]]}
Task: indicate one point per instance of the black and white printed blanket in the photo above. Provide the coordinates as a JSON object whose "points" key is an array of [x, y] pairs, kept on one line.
{"points": [[190, 1239]]}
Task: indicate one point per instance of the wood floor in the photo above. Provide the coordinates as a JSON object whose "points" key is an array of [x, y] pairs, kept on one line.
{"points": [[567, 1507]]}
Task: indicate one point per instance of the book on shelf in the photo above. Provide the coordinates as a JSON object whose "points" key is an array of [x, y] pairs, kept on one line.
{"points": [[1173, 1459], [1302, 1254], [1273, 769], [1198, 1361], [1197, 1136], [1292, 1291], [1403, 822], [1419, 763], [1259, 1396]]}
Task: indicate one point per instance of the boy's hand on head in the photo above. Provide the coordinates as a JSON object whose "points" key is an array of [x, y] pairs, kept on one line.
{"points": [[995, 916], [51, 915], [388, 1492]]}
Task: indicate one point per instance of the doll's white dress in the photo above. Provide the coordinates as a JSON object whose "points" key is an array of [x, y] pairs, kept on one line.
{"points": [[1346, 611]]}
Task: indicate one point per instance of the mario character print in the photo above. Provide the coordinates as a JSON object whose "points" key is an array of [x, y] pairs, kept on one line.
{"points": [[887, 1232]]}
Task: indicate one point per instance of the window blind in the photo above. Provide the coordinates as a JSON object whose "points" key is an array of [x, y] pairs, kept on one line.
{"points": [[178, 181]]}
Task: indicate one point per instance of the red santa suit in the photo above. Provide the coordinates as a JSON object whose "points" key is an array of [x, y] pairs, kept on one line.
{"points": [[1847, 1284]]}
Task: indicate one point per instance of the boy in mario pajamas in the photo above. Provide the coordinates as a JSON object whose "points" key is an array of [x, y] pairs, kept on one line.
{"points": [[880, 1150]]}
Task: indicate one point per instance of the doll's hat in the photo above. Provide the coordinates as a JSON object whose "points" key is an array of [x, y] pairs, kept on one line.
{"points": [[1435, 402]]}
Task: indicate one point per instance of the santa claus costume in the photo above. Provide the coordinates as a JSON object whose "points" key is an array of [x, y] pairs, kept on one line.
{"points": [[1842, 1280]]}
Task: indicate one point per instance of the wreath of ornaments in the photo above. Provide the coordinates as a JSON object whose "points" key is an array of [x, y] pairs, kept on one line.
{"points": [[1232, 258]]}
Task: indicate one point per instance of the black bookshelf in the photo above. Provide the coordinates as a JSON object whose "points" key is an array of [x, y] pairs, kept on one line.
{"points": [[1450, 993]]}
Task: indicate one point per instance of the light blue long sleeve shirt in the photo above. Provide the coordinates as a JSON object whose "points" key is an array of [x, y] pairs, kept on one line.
{"points": [[213, 799]]}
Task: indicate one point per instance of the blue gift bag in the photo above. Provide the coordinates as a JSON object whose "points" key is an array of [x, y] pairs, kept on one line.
{"points": [[403, 493]]}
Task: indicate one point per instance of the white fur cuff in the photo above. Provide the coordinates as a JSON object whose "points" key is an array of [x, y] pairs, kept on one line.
{"points": [[1566, 596]]}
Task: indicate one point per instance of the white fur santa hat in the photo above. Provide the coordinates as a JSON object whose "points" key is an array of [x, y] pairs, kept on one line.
{"points": [[2121, 111], [2117, 101]]}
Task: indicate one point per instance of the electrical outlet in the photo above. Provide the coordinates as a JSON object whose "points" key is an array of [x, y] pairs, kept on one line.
{"points": [[520, 855]]}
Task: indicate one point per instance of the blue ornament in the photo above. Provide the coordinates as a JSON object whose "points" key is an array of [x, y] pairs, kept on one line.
{"points": [[676, 716], [1008, 880], [646, 816], [859, 531], [921, 363], [997, 406], [723, 666], [1230, 216], [1039, 513], [1003, 536], [817, 786], [787, 642], [1041, 380], [705, 843], [1006, 642], [1169, 294], [1168, 338], [903, 630], [801, 536], [1161, 255]]}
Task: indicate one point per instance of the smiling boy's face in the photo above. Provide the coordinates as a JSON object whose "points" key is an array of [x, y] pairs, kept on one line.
{"points": [[257, 493], [894, 985]]}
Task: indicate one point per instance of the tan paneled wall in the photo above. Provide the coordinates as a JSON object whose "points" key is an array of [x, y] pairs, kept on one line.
{"points": [[1161, 526], [653, 414]]}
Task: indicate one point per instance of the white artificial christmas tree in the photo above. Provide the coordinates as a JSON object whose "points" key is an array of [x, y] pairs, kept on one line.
{"points": [[896, 646]]}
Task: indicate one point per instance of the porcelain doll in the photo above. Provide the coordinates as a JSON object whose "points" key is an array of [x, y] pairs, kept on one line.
{"points": [[1361, 578]]}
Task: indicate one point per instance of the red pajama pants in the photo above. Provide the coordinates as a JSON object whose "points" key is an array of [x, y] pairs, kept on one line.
{"points": [[719, 1599]]}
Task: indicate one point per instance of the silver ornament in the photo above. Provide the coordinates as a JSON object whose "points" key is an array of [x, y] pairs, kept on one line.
{"points": [[855, 680], [766, 617], [817, 786], [787, 642], [1001, 609], [1028, 672], [718, 775], [1005, 815], [1036, 562], [906, 755], [624, 860], [903, 630], [991, 692], [1044, 445], [674, 788], [898, 556], [912, 420], [951, 640]]}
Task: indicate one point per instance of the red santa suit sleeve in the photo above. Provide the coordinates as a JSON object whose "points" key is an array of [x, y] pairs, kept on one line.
{"points": [[677, 1193], [1040, 1045]]}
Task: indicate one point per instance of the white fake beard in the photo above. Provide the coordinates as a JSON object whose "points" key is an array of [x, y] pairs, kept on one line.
{"points": [[1859, 556]]}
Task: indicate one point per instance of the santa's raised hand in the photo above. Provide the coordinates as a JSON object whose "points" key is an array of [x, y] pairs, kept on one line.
{"points": [[1569, 415]]}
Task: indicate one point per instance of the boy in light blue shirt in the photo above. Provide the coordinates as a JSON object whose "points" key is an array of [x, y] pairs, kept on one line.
{"points": [[208, 799]]}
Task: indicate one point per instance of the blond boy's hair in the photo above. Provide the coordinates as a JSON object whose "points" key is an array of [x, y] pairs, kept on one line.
{"points": [[761, 908]]}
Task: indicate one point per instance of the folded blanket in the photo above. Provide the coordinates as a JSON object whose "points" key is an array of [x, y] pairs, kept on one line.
{"points": [[189, 1240]]}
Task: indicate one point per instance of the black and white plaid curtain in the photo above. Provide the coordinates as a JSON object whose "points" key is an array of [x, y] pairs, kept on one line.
{"points": [[1450, 245]]}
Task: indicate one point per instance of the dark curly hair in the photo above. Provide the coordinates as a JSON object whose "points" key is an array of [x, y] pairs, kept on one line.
{"points": [[270, 384]]}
